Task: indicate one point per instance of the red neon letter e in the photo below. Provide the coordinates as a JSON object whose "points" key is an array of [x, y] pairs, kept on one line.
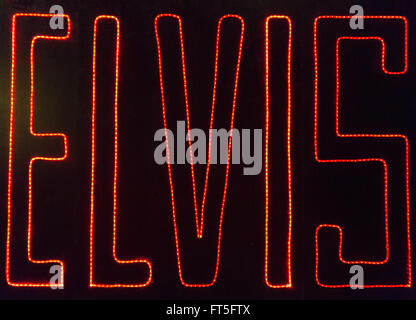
{"points": [[14, 189]]}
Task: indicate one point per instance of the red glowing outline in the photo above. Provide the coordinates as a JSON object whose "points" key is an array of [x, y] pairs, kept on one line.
{"points": [[91, 281], [199, 225], [32, 160], [408, 284], [266, 155]]}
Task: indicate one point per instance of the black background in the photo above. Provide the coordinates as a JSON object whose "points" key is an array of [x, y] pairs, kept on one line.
{"points": [[350, 196]]}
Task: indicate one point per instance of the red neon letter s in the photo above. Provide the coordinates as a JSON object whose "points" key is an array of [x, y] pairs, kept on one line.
{"points": [[199, 217], [99, 185], [271, 214], [357, 160], [13, 189]]}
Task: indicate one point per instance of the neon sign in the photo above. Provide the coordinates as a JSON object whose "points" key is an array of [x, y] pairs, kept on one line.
{"points": [[198, 226]]}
